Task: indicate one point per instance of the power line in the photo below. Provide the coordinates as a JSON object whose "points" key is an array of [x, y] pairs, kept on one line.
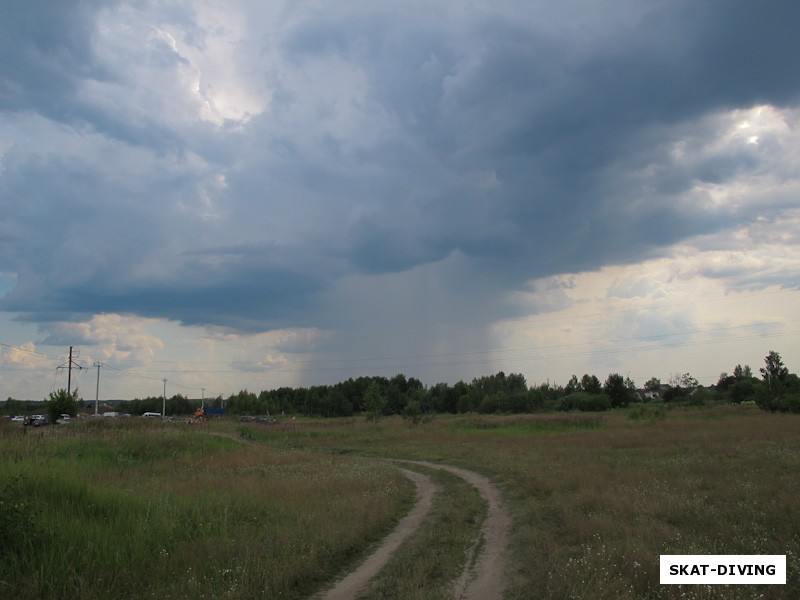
{"points": [[131, 373], [26, 350], [136, 375]]}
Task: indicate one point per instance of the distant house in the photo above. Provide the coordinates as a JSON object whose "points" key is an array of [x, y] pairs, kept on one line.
{"points": [[648, 395]]}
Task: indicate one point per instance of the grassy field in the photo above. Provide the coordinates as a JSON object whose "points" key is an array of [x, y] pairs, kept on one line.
{"points": [[132, 509], [152, 510]]}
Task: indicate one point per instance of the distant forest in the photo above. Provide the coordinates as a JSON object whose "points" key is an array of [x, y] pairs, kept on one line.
{"points": [[502, 393], [374, 397]]}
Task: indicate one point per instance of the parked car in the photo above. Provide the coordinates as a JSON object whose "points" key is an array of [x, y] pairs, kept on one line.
{"points": [[36, 421], [18, 419]]}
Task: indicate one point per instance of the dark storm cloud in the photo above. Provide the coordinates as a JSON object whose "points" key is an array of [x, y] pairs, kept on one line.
{"points": [[555, 117], [47, 50], [504, 143], [49, 56]]}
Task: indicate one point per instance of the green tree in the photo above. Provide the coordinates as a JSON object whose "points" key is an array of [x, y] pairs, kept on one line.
{"points": [[395, 397], [61, 402], [374, 402], [336, 404], [179, 405], [681, 386], [685, 381], [618, 390], [744, 389], [780, 390], [653, 385], [739, 387], [591, 384], [412, 412], [573, 385], [16, 407], [773, 372]]}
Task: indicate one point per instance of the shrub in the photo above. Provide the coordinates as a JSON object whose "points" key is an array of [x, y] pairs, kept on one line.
{"points": [[647, 412], [743, 390], [60, 403], [413, 412], [585, 402], [789, 403], [492, 403]]}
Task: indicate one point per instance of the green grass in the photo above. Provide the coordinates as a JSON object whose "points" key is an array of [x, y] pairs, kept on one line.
{"points": [[525, 425], [138, 512], [425, 567], [157, 510], [598, 499]]}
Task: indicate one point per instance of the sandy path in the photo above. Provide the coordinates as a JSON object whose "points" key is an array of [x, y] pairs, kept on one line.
{"points": [[484, 575], [348, 588]]}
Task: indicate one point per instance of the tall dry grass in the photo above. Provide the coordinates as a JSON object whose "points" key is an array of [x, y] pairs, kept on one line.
{"points": [[597, 500], [140, 511]]}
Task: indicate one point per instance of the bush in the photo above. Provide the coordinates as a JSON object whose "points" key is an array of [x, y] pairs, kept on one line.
{"points": [[62, 403], [743, 390], [412, 413], [585, 402], [789, 403], [492, 403], [652, 411]]}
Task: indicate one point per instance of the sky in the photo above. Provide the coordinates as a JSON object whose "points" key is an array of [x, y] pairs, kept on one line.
{"points": [[248, 194]]}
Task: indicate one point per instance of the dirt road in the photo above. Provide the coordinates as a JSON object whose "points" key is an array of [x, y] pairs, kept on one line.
{"points": [[348, 587], [484, 575]]}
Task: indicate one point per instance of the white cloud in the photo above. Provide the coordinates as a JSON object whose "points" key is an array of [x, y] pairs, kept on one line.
{"points": [[645, 319], [24, 356], [181, 71], [110, 337]]}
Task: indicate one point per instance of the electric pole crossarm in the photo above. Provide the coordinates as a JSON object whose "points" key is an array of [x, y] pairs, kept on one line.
{"points": [[70, 364]]}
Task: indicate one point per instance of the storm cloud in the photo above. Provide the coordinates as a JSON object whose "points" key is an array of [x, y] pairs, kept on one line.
{"points": [[288, 165]]}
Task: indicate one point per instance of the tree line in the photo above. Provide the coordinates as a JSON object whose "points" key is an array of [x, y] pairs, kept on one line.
{"points": [[776, 390], [377, 396]]}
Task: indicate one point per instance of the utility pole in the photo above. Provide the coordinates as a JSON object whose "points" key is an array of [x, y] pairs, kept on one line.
{"points": [[164, 400], [71, 364], [69, 370], [97, 393]]}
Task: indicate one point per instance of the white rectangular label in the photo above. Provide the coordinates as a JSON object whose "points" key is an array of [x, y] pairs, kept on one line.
{"points": [[723, 568]]}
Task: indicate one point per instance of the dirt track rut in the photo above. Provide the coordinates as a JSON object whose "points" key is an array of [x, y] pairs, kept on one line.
{"points": [[348, 587], [484, 575]]}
